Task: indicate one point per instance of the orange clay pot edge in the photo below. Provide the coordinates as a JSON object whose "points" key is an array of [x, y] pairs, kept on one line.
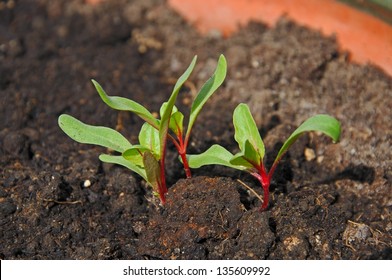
{"points": [[366, 38]]}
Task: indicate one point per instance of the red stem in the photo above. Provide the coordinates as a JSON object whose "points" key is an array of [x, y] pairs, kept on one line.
{"points": [[162, 185], [274, 165], [174, 141], [162, 193], [181, 148], [186, 165], [265, 181], [162, 188]]}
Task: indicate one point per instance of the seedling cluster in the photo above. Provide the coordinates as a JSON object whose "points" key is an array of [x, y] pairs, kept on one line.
{"points": [[147, 158]]}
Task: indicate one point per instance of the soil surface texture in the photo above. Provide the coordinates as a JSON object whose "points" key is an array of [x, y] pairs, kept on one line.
{"points": [[58, 201]]}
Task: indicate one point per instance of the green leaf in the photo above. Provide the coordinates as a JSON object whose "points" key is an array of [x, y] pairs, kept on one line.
{"points": [[246, 130], [216, 154], [176, 119], [213, 83], [149, 137], [163, 108], [123, 162], [166, 116], [248, 157], [135, 155], [89, 134], [240, 160], [125, 104], [153, 170], [322, 123], [176, 123]]}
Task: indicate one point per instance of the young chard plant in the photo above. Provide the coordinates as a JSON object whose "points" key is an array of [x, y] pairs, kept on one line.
{"points": [[252, 151], [181, 137], [148, 157]]}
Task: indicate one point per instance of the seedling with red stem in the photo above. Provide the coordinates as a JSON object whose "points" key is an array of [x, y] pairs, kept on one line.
{"points": [[252, 151], [148, 157]]}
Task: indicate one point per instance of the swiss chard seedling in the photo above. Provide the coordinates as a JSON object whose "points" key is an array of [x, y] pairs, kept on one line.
{"points": [[181, 137], [148, 157], [252, 151]]}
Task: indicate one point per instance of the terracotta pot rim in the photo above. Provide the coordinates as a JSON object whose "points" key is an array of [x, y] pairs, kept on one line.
{"points": [[366, 38]]}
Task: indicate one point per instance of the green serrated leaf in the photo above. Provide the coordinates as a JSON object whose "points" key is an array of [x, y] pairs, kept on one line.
{"points": [[149, 137], [123, 162], [96, 135], [152, 169], [246, 129], [213, 83], [322, 123], [125, 104], [216, 154]]}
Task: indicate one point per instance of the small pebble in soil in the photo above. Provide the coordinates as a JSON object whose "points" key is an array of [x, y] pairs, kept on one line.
{"points": [[309, 154], [87, 183], [320, 159]]}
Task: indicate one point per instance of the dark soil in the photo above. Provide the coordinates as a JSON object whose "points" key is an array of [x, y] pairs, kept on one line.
{"points": [[333, 205]]}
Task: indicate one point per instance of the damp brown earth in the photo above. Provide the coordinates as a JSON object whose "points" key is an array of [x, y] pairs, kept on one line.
{"points": [[58, 201]]}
